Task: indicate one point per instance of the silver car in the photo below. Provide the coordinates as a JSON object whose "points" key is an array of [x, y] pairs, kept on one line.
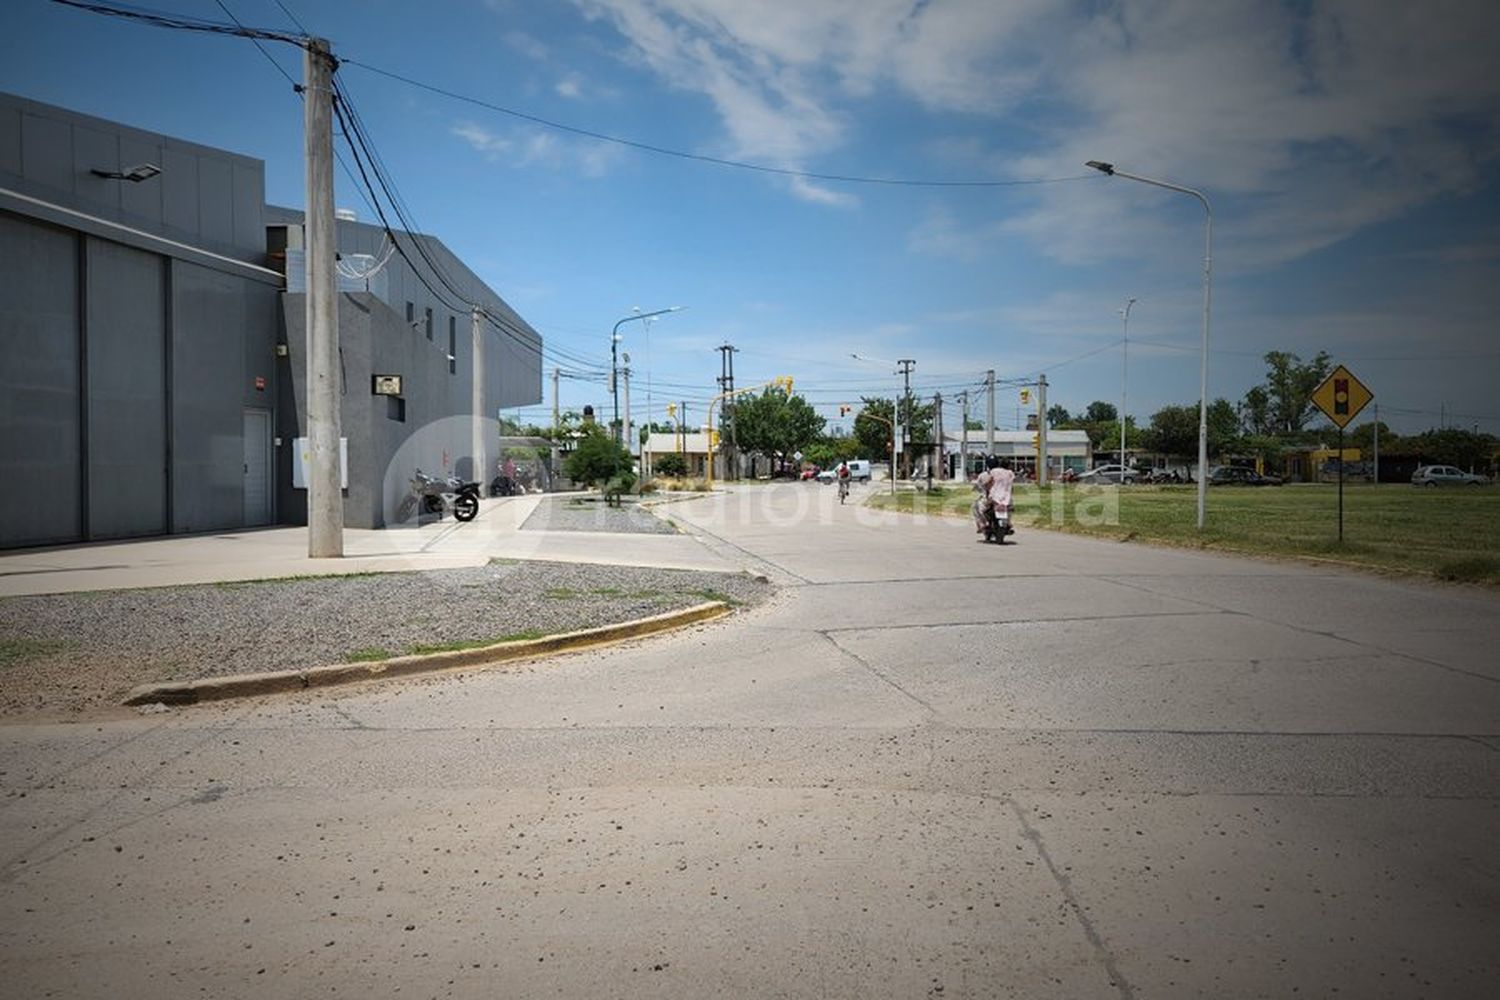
{"points": [[1445, 475], [1108, 474]]}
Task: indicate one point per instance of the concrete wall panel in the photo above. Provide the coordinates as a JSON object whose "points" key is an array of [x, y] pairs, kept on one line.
{"points": [[10, 140], [126, 360], [180, 194], [96, 150], [47, 155], [215, 201], [39, 384]]}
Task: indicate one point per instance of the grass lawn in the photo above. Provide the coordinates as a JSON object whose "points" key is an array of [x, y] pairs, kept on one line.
{"points": [[1452, 534]]}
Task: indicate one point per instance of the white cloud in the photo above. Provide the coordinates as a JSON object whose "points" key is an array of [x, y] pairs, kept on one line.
{"points": [[535, 147], [570, 86], [1304, 123]]}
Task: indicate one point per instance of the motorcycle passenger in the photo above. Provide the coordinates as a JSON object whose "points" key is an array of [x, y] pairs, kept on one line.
{"points": [[994, 486]]}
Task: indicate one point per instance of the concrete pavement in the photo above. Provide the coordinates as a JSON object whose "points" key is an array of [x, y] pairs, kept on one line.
{"points": [[929, 767], [281, 552]]}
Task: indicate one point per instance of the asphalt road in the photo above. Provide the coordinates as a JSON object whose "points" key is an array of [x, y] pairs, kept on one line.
{"points": [[927, 767]]}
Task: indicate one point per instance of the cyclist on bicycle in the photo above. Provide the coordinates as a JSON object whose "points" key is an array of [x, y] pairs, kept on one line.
{"points": [[843, 478]]}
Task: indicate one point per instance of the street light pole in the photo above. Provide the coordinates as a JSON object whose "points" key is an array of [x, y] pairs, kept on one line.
{"points": [[1124, 367], [1208, 272], [614, 360]]}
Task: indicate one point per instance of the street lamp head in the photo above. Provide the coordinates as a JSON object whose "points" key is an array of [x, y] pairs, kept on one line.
{"points": [[1104, 168]]}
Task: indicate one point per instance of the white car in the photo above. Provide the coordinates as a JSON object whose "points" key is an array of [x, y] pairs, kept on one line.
{"points": [[859, 469], [1109, 474], [1445, 475]]}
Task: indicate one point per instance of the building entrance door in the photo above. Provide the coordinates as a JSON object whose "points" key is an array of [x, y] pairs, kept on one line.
{"points": [[257, 480]]}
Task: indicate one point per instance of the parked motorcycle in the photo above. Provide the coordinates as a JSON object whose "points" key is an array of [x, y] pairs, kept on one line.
{"points": [[435, 496]]}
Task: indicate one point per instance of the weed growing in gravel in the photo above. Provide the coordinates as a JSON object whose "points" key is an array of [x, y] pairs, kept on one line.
{"points": [[15, 650], [560, 593], [453, 647], [300, 577], [716, 595], [368, 655]]}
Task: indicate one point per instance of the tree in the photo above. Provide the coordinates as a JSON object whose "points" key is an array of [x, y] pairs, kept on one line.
{"points": [[671, 464], [1255, 411], [1098, 412], [774, 424], [1363, 437], [647, 429], [1223, 427], [1289, 387], [1174, 431], [1057, 416], [977, 425], [596, 458], [872, 427]]}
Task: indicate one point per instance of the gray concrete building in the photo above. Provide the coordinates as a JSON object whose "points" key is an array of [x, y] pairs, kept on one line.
{"points": [[151, 354]]}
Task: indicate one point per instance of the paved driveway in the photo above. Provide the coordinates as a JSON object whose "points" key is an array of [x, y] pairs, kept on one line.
{"points": [[929, 767]]}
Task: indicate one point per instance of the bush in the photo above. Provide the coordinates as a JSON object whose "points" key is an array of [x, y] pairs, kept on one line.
{"points": [[597, 458], [671, 465]]}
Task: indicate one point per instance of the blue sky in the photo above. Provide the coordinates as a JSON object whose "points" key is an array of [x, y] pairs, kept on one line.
{"points": [[1348, 148]]}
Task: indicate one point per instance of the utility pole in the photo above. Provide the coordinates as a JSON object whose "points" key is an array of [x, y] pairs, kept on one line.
{"points": [[937, 433], [907, 364], [1041, 431], [325, 500], [989, 437], [682, 429], [480, 418], [625, 374], [963, 442], [556, 421], [727, 352], [1376, 479], [1124, 368]]}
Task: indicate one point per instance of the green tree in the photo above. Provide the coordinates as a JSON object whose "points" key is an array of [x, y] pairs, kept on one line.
{"points": [[1452, 446], [774, 424], [596, 458], [1363, 437], [1255, 411], [670, 464], [1289, 387], [872, 428], [1223, 427], [1098, 412], [647, 429], [1174, 431], [1057, 416], [976, 425]]}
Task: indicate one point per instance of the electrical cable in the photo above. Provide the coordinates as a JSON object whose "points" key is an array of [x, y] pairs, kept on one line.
{"points": [[715, 160]]}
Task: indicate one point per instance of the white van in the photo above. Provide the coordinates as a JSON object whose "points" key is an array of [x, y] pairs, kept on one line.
{"points": [[859, 469]]}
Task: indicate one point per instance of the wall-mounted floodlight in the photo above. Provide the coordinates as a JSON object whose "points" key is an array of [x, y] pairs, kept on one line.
{"points": [[136, 174]]}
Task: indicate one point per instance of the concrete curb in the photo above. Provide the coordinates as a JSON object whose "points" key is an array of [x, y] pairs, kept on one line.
{"points": [[282, 681]]}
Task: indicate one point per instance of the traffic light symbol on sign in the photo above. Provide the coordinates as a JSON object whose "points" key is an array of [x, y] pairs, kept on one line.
{"points": [[1340, 396]]}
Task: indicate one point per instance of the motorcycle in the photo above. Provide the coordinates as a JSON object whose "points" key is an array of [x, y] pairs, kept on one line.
{"points": [[997, 524], [434, 496]]}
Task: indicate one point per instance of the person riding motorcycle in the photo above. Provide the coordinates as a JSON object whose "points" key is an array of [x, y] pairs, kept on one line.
{"points": [[994, 486]]}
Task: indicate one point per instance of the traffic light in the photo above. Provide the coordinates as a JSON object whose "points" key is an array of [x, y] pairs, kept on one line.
{"points": [[713, 439], [671, 409], [1036, 443], [844, 409], [785, 382], [1025, 397]]}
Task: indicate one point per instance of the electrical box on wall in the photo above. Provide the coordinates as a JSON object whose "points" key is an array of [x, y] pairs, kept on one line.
{"points": [[385, 385]]}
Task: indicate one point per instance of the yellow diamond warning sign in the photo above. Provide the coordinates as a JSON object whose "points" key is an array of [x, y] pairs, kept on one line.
{"points": [[1341, 396]]}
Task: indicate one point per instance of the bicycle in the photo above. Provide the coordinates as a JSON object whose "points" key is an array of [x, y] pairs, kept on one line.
{"points": [[843, 489]]}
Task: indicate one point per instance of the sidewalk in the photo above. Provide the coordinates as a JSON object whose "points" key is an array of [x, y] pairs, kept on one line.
{"points": [[282, 552]]}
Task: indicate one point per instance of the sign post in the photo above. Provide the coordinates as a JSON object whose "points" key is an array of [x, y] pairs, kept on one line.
{"points": [[1340, 397]]}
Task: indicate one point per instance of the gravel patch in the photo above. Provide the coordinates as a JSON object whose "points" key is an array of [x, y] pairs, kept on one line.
{"points": [[593, 514], [64, 654]]}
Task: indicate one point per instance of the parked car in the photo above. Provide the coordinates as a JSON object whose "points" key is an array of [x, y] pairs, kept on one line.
{"points": [[1109, 474], [1445, 475], [811, 472], [1236, 475]]}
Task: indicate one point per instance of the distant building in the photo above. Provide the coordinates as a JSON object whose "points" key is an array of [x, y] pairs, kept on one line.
{"points": [[1066, 450], [151, 354]]}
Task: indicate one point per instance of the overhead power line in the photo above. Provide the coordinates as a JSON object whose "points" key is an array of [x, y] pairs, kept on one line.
{"points": [[720, 161], [183, 22]]}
